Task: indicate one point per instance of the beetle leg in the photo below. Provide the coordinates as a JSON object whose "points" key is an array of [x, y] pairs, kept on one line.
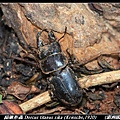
{"points": [[74, 64], [52, 96], [72, 60], [104, 64], [84, 70]]}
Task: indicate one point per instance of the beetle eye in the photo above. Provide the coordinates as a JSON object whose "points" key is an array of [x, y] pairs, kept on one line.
{"points": [[51, 36]]}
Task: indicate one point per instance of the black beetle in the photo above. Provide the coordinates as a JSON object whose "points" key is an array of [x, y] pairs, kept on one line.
{"points": [[54, 62]]}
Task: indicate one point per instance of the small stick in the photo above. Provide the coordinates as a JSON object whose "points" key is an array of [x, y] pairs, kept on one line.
{"points": [[18, 58], [85, 82], [100, 79], [35, 102]]}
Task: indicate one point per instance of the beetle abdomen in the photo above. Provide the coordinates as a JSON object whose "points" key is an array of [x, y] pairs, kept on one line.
{"points": [[66, 88]]}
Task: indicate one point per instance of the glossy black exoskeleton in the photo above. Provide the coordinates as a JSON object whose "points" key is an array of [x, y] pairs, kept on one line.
{"points": [[54, 62]]}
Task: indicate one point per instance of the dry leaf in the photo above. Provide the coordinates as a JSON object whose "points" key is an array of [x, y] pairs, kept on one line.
{"points": [[21, 91], [8, 107]]}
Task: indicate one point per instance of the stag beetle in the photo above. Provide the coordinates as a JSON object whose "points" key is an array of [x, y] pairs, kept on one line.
{"points": [[54, 62]]}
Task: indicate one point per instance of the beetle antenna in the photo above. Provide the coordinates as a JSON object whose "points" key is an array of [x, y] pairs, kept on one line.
{"points": [[64, 34]]}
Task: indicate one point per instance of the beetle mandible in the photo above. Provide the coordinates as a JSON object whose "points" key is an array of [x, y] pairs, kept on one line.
{"points": [[54, 62]]}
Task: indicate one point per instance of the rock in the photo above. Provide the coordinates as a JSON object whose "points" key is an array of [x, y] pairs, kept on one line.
{"points": [[88, 34]]}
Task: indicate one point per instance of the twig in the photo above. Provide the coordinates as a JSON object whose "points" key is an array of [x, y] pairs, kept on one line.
{"points": [[18, 58], [100, 79], [85, 82], [35, 102]]}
